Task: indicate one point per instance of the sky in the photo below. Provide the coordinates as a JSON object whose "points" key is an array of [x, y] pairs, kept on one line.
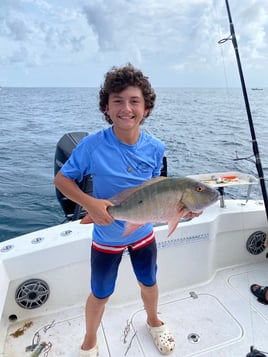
{"points": [[73, 43]]}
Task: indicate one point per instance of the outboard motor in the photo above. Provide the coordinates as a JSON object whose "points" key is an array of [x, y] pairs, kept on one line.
{"points": [[64, 149]]}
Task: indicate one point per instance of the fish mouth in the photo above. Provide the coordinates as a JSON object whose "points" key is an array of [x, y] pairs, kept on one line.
{"points": [[199, 208], [215, 197]]}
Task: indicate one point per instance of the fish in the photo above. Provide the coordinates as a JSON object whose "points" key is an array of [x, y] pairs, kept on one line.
{"points": [[159, 200]]}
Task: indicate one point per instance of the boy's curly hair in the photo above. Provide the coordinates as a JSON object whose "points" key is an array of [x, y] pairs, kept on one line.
{"points": [[118, 79]]}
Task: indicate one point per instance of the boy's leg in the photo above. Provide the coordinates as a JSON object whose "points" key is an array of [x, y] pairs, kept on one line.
{"points": [[145, 267], [149, 296], [104, 269], [94, 311]]}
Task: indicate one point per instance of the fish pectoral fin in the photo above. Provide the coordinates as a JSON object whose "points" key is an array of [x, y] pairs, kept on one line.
{"points": [[86, 220], [173, 223], [130, 228]]}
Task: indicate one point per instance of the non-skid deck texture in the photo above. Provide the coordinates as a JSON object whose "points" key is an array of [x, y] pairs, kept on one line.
{"points": [[218, 319]]}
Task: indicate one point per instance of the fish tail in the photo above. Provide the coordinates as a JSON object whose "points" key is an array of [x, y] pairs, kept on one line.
{"points": [[86, 220]]}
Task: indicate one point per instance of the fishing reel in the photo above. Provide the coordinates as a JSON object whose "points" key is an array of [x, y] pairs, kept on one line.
{"points": [[256, 353]]}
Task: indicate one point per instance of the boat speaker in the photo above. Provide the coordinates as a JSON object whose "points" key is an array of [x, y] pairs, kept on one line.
{"points": [[32, 293], [256, 242]]}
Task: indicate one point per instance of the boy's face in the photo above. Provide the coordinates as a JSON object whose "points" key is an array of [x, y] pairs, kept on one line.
{"points": [[127, 108]]}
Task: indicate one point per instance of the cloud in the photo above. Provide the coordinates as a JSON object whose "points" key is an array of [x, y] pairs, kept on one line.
{"points": [[101, 22], [150, 28], [17, 29], [39, 33], [169, 39], [251, 26]]}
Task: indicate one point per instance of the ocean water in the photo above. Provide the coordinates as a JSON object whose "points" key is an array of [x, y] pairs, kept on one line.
{"points": [[204, 130]]}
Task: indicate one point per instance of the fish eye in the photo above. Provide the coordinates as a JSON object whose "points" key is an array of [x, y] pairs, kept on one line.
{"points": [[199, 189]]}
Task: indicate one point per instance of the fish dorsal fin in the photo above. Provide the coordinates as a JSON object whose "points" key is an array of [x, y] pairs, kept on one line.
{"points": [[153, 180], [124, 195]]}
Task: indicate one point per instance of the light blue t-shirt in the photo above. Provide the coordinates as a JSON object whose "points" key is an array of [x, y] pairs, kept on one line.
{"points": [[114, 167]]}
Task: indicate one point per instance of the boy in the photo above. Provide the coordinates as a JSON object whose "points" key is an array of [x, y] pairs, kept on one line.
{"points": [[118, 157]]}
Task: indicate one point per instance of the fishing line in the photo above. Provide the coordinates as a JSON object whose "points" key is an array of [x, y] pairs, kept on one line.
{"points": [[229, 92], [222, 52]]}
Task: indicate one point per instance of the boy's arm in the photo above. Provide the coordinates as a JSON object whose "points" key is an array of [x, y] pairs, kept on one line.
{"points": [[97, 208]]}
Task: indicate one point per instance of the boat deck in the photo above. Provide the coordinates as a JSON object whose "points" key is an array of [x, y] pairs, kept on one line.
{"points": [[218, 318]]}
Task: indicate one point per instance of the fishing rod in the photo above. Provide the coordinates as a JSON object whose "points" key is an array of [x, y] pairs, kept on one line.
{"points": [[258, 164], [253, 352]]}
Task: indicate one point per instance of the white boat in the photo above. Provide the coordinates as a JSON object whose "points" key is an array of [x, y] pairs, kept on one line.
{"points": [[205, 271]]}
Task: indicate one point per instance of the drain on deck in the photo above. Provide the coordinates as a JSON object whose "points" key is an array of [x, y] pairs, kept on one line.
{"points": [[193, 337]]}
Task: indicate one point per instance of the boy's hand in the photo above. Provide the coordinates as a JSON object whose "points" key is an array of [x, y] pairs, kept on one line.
{"points": [[191, 214], [97, 213]]}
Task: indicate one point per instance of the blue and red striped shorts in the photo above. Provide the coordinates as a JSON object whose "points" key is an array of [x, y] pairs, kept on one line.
{"points": [[105, 262]]}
